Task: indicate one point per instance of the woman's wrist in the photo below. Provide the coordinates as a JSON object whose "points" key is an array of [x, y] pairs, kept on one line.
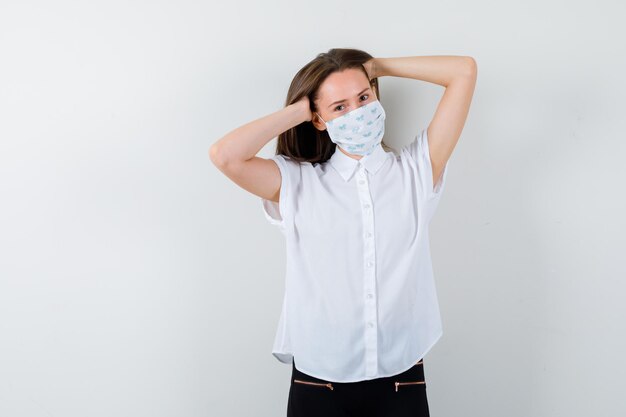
{"points": [[297, 113], [302, 110], [371, 68], [379, 68]]}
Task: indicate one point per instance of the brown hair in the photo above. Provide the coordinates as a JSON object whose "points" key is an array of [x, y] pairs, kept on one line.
{"points": [[304, 143]]}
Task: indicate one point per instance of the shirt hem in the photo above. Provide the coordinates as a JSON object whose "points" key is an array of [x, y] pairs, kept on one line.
{"points": [[287, 357], [284, 357]]}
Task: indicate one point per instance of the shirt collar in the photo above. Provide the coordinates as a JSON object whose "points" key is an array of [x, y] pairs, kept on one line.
{"points": [[346, 165]]}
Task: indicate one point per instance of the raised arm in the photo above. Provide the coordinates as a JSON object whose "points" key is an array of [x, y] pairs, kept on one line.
{"points": [[235, 153], [458, 75]]}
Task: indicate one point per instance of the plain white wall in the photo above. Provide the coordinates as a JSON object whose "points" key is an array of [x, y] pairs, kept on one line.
{"points": [[137, 280]]}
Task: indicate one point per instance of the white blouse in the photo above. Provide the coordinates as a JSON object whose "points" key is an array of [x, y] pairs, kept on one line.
{"points": [[360, 299]]}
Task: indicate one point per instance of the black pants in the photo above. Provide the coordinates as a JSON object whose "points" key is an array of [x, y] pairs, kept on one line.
{"points": [[393, 396]]}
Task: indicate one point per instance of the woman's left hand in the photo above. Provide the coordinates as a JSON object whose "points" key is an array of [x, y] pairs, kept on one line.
{"points": [[370, 67]]}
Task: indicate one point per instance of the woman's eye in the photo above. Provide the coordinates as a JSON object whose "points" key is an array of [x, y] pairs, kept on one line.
{"points": [[364, 95]]}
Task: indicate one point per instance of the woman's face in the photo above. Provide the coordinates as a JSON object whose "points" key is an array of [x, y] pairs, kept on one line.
{"points": [[340, 93]]}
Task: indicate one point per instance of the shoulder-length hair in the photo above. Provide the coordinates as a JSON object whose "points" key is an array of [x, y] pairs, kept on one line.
{"points": [[304, 143]]}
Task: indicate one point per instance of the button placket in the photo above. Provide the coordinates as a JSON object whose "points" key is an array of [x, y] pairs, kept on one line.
{"points": [[369, 278]]}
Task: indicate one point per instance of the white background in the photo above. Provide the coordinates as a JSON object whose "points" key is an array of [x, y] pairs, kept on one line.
{"points": [[137, 280]]}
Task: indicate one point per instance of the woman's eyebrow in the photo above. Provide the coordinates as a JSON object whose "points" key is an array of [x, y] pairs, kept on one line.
{"points": [[341, 101]]}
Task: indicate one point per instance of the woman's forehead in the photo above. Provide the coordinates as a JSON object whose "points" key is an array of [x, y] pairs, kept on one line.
{"points": [[343, 85]]}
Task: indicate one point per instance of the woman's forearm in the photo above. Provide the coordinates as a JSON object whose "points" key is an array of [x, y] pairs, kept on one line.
{"points": [[247, 140], [438, 69]]}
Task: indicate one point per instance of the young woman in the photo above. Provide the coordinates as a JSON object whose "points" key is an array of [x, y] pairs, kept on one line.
{"points": [[360, 309]]}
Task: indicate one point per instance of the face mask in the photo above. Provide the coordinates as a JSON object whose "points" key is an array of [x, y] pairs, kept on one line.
{"points": [[359, 131]]}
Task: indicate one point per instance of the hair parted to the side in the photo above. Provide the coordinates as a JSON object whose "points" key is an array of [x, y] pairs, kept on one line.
{"points": [[304, 143]]}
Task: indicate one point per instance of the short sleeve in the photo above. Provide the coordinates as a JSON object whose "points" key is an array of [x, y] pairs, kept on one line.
{"points": [[280, 214], [420, 153], [428, 195]]}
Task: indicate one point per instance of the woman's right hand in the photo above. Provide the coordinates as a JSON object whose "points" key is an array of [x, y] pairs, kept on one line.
{"points": [[305, 107]]}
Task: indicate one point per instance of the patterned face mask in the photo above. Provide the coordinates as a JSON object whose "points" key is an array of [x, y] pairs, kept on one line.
{"points": [[359, 131]]}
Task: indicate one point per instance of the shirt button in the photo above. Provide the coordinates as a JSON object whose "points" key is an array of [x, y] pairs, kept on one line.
{"points": [[370, 324], [369, 295], [369, 234], [367, 206], [370, 263]]}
